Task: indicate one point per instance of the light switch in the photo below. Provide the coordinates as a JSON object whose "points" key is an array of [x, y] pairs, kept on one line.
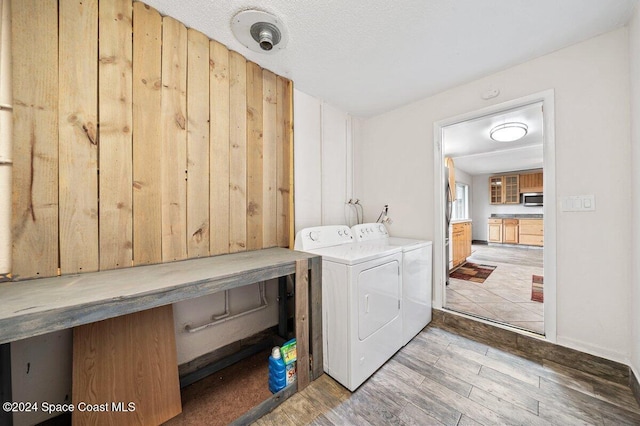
{"points": [[578, 203], [588, 203]]}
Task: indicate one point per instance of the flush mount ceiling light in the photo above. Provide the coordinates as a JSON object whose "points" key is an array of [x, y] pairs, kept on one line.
{"points": [[259, 31], [508, 132]]}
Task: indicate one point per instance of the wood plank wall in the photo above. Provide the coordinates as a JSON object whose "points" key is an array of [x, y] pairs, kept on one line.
{"points": [[139, 141]]}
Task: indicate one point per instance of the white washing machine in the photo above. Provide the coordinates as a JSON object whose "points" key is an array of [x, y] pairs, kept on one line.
{"points": [[416, 275], [361, 297]]}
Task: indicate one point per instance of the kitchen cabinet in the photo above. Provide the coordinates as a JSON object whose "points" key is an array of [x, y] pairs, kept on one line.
{"points": [[510, 231], [531, 182], [461, 242], [495, 190], [504, 189], [511, 189], [531, 232], [495, 230]]}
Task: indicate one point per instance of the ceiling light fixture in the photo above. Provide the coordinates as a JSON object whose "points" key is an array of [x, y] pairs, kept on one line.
{"points": [[508, 132], [259, 31]]}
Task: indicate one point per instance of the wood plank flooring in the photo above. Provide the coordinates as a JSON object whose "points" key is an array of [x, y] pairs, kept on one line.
{"points": [[442, 378]]}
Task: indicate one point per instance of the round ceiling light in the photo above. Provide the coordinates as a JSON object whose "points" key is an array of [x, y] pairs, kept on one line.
{"points": [[259, 31], [508, 132]]}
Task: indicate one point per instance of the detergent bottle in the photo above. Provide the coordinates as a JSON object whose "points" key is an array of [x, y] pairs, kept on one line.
{"points": [[277, 371]]}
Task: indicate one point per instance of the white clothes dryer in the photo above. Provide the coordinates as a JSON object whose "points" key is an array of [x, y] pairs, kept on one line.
{"points": [[416, 275], [361, 298]]}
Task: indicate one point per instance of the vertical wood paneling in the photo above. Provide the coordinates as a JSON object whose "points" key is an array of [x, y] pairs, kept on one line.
{"points": [[219, 131], [284, 153], [174, 140], [191, 163], [147, 84], [197, 144], [280, 173], [35, 138], [254, 156], [237, 152], [287, 165], [270, 178], [78, 129], [115, 149], [302, 321]]}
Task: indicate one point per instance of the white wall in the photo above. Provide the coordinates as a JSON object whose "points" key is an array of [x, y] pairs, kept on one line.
{"points": [[199, 311], [41, 370], [634, 53], [592, 138], [482, 209], [323, 162], [307, 158]]}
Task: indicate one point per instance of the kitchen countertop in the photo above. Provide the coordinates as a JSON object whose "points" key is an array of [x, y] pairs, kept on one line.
{"points": [[517, 216]]}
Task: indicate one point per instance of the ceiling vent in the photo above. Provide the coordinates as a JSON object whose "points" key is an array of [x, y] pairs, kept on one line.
{"points": [[259, 31]]}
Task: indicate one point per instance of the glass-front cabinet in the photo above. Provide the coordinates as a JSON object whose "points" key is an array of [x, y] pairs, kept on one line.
{"points": [[495, 190], [504, 189]]}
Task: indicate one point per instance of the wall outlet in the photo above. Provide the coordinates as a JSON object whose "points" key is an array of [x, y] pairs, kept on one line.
{"points": [[578, 203]]}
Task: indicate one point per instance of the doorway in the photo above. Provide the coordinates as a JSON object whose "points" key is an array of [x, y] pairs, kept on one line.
{"points": [[494, 279]]}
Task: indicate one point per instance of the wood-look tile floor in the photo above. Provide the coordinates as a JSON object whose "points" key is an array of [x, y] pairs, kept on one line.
{"points": [[441, 378], [505, 296]]}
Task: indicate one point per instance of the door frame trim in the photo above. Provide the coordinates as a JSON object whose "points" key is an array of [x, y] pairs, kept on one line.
{"points": [[549, 209]]}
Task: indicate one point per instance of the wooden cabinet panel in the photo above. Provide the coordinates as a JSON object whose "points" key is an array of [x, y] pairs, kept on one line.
{"points": [[448, 162], [531, 182], [467, 239], [510, 231], [147, 376], [461, 242], [495, 230], [532, 240], [531, 232], [532, 227]]}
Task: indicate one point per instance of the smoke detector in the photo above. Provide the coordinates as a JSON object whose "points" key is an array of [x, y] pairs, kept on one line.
{"points": [[259, 31]]}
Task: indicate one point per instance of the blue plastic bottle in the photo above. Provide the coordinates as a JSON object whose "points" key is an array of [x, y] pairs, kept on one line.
{"points": [[277, 371]]}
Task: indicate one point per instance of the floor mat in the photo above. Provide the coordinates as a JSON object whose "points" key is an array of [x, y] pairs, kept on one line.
{"points": [[226, 395], [472, 272]]}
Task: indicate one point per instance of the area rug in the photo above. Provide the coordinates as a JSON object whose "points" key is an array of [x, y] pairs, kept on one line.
{"points": [[537, 294], [472, 272]]}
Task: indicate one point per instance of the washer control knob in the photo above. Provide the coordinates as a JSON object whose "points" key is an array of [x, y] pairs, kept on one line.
{"points": [[314, 235]]}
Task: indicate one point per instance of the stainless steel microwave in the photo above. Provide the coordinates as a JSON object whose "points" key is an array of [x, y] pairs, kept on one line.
{"points": [[532, 199]]}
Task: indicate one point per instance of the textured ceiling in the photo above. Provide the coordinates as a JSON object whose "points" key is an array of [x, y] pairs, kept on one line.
{"points": [[367, 57]]}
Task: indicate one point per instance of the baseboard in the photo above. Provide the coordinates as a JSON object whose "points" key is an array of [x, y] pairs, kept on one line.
{"points": [[218, 359], [634, 384], [535, 346], [480, 242], [595, 350], [225, 351]]}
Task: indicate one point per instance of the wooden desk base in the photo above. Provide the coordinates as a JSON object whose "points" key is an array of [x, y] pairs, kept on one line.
{"points": [[123, 360]]}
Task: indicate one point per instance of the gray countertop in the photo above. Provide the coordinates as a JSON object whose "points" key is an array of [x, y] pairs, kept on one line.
{"points": [[39, 306], [516, 216]]}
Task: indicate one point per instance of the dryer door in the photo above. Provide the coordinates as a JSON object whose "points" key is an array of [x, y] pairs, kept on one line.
{"points": [[379, 292]]}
